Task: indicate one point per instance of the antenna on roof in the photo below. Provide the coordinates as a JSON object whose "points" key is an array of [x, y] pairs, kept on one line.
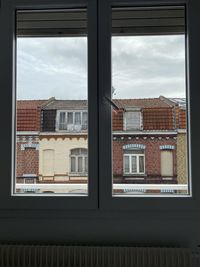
{"points": [[113, 90]]}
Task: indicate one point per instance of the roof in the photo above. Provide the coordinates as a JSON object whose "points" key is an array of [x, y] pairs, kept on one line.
{"points": [[28, 115], [181, 102], [141, 103], [29, 104], [157, 112], [65, 104], [160, 102]]}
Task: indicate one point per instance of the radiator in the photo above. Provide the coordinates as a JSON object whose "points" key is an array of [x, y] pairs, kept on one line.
{"points": [[88, 256]]}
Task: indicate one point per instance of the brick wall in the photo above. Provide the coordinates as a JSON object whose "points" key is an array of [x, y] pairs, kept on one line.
{"points": [[182, 175], [152, 155], [27, 160]]}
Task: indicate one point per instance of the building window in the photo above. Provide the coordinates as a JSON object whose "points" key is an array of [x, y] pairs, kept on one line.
{"points": [[134, 162], [79, 161], [166, 163], [72, 120], [133, 120], [48, 162]]}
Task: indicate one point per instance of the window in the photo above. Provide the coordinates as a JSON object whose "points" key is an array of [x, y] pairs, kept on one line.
{"points": [[173, 211], [100, 119], [167, 164], [72, 121], [48, 163], [133, 120], [52, 54], [134, 162], [148, 61], [79, 161]]}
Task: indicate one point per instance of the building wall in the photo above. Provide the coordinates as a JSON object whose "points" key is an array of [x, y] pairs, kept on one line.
{"points": [[182, 172], [27, 157], [61, 147], [152, 155]]}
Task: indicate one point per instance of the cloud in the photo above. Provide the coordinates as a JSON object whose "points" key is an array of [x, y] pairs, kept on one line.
{"points": [[51, 67], [148, 66], [143, 66]]}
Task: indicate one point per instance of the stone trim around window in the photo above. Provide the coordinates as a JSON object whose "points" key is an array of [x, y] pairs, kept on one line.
{"points": [[29, 145]]}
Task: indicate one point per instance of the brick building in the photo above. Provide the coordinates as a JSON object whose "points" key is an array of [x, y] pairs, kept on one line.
{"points": [[149, 141], [27, 140], [145, 147]]}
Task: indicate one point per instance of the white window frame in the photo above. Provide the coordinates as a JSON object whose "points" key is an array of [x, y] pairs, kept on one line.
{"points": [[66, 123], [130, 164], [83, 156], [125, 120]]}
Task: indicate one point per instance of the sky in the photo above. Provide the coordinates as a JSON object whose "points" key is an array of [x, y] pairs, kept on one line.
{"points": [[142, 67]]}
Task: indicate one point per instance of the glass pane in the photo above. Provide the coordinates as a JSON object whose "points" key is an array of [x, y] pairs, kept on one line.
{"points": [[77, 118], [150, 94], [141, 164], [51, 96], [69, 117], [84, 121], [73, 164], [126, 164], [86, 164], [80, 164], [133, 120], [62, 121], [133, 164]]}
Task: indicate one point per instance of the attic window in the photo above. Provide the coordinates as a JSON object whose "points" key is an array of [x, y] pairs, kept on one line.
{"points": [[72, 121], [133, 120]]}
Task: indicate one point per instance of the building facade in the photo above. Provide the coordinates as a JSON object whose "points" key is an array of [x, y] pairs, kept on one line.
{"points": [[149, 141], [27, 140]]}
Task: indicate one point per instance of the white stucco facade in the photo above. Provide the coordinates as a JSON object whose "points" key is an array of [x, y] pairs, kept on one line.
{"points": [[54, 157]]}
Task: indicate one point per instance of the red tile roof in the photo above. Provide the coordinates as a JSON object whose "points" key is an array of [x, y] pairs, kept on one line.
{"points": [[142, 103], [28, 115], [158, 119], [158, 113], [29, 104], [117, 120], [182, 119]]}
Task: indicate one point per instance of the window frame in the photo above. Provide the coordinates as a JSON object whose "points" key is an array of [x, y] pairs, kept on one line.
{"points": [[49, 202], [176, 207], [172, 158], [139, 128], [130, 164], [175, 203], [81, 155], [66, 120]]}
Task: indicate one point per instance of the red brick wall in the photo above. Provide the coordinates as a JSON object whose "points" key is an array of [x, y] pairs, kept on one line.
{"points": [[152, 155], [27, 161]]}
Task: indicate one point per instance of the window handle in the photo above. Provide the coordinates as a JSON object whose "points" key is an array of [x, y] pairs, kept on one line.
{"points": [[109, 101]]}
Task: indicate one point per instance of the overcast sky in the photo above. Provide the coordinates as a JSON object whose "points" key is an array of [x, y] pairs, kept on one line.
{"points": [[142, 67]]}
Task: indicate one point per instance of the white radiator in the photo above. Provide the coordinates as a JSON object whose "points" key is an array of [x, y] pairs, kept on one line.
{"points": [[86, 256]]}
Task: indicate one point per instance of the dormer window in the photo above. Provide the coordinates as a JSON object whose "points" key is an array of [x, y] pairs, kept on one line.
{"points": [[72, 121], [133, 120]]}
